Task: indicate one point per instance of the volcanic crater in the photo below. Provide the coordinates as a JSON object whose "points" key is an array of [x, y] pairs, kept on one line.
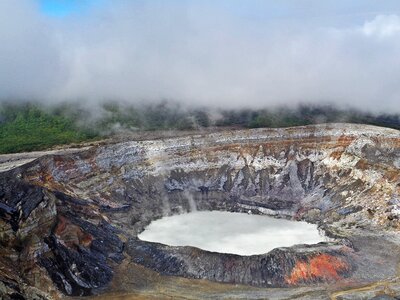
{"points": [[69, 223]]}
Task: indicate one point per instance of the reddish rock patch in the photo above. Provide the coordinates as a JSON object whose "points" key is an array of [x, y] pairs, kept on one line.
{"points": [[71, 234], [323, 267]]}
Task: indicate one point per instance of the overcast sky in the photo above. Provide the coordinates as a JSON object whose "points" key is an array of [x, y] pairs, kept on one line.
{"points": [[236, 53]]}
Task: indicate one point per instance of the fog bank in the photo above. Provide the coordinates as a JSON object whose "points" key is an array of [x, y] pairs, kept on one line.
{"points": [[204, 54]]}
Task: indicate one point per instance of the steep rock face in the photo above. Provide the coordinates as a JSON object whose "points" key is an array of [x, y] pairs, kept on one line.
{"points": [[280, 267], [75, 217], [46, 242]]}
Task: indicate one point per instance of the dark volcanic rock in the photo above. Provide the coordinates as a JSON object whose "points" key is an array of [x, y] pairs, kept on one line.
{"points": [[78, 260], [17, 200], [75, 252], [76, 271]]}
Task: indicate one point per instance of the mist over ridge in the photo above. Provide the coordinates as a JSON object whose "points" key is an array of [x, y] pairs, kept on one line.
{"points": [[29, 126]]}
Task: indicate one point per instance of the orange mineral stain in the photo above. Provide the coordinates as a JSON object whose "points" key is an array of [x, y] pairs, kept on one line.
{"points": [[321, 267]]}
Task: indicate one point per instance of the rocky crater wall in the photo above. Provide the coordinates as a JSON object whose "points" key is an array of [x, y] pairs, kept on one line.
{"points": [[69, 220]]}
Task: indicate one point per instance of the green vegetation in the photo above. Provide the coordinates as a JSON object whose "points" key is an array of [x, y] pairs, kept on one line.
{"points": [[31, 126]]}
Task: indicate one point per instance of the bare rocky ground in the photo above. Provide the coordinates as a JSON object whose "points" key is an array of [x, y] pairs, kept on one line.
{"points": [[70, 219], [11, 161]]}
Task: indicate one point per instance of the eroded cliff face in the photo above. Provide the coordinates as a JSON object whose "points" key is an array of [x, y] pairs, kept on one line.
{"points": [[70, 221]]}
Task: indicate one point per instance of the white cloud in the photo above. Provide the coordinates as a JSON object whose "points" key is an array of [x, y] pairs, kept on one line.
{"points": [[201, 55], [382, 26]]}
